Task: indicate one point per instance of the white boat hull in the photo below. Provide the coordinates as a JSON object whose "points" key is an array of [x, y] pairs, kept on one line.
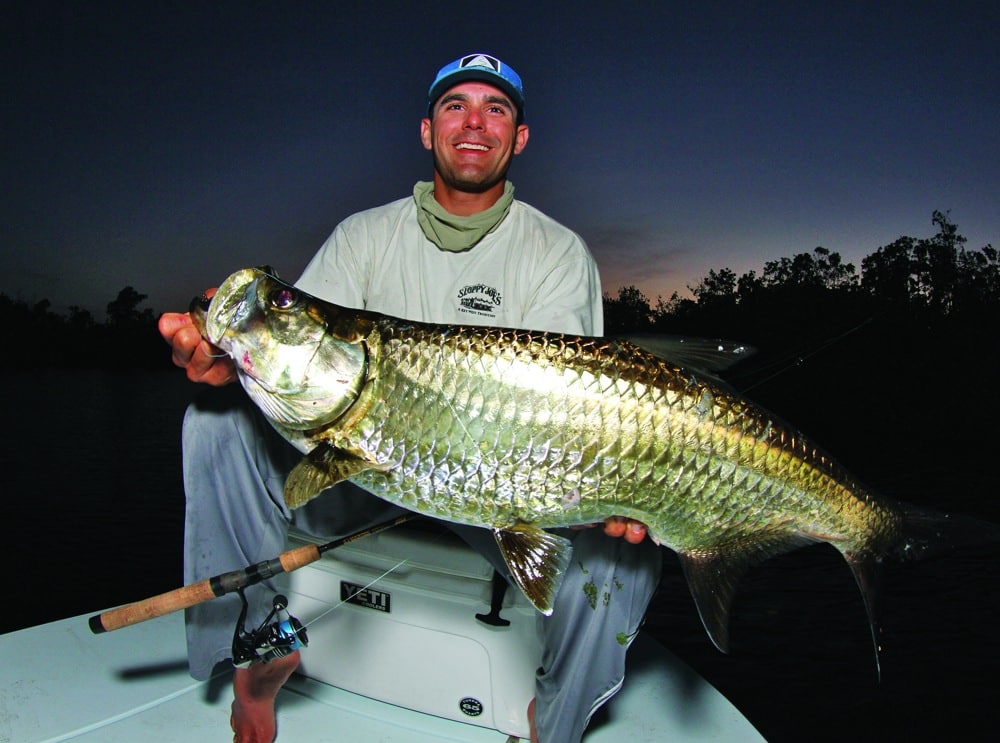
{"points": [[425, 671]]}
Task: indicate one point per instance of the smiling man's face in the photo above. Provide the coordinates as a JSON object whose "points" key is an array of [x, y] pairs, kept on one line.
{"points": [[473, 135]]}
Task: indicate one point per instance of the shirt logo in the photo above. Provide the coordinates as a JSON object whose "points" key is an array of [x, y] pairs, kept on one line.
{"points": [[479, 299]]}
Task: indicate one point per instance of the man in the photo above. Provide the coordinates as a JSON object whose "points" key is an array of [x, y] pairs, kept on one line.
{"points": [[461, 234]]}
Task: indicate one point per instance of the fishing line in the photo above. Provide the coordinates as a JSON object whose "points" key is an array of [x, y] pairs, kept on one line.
{"points": [[278, 638], [343, 601], [799, 359]]}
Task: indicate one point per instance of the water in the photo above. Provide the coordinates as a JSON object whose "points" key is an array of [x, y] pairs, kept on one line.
{"points": [[92, 486], [92, 483]]}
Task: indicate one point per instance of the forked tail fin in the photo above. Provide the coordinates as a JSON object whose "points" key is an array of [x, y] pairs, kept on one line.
{"points": [[867, 569], [924, 534]]}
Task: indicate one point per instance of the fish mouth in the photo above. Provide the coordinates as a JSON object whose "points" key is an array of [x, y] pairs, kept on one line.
{"points": [[234, 301], [201, 303], [287, 380], [230, 303], [212, 315], [198, 312]]}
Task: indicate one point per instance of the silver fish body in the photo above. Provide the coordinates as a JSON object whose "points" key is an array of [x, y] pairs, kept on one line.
{"points": [[520, 431]]}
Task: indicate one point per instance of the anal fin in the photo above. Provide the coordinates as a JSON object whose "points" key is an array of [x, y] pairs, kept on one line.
{"points": [[713, 574], [712, 581]]}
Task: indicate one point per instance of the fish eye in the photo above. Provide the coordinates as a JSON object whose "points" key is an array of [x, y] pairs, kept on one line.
{"points": [[282, 299]]}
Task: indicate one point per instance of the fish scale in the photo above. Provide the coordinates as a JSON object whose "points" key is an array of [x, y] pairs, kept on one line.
{"points": [[529, 440], [522, 431]]}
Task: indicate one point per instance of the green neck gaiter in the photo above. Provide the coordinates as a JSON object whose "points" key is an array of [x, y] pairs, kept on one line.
{"points": [[454, 233]]}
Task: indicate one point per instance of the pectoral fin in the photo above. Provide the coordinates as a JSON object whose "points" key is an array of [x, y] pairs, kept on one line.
{"points": [[537, 560], [322, 468]]}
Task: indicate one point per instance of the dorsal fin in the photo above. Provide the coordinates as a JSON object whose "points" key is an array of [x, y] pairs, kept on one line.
{"points": [[705, 354]]}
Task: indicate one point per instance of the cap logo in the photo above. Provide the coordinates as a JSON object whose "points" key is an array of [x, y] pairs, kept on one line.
{"points": [[480, 60]]}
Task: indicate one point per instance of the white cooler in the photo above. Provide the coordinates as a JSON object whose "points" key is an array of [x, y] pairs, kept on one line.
{"points": [[403, 627]]}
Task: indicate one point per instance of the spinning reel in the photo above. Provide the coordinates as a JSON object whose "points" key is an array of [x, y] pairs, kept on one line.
{"points": [[272, 639]]}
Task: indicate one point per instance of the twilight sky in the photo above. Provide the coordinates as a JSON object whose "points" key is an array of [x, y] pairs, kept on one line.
{"points": [[164, 145]]}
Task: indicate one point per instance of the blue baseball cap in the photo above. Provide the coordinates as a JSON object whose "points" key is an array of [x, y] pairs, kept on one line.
{"points": [[483, 68]]}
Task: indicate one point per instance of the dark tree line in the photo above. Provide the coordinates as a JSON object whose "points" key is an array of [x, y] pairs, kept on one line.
{"points": [[38, 338], [934, 281]]}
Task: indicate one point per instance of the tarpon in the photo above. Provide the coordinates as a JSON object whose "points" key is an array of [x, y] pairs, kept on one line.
{"points": [[520, 431]]}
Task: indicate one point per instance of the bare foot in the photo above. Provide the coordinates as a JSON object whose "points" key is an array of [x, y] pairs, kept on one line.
{"points": [[255, 689]]}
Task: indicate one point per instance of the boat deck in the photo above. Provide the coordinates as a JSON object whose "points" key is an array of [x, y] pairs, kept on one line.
{"points": [[60, 682], [397, 667]]}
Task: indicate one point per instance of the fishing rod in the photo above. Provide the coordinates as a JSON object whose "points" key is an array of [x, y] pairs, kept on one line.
{"points": [[219, 585]]}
